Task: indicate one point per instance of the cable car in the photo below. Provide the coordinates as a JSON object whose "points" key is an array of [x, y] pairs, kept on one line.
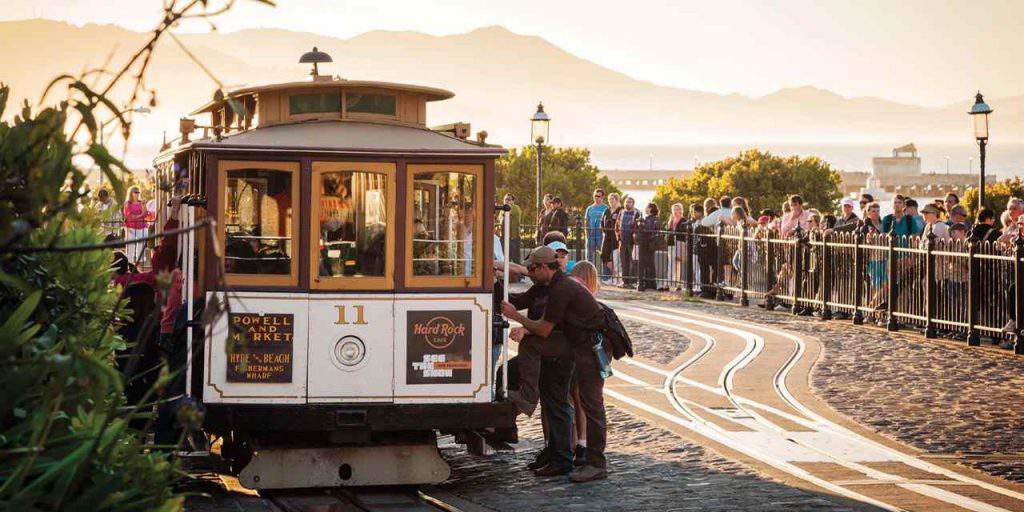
{"points": [[352, 260]]}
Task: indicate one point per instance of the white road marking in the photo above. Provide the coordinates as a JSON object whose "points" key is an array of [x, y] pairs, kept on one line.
{"points": [[831, 442], [834, 427]]}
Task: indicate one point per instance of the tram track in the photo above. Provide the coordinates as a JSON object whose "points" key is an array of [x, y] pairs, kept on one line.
{"points": [[779, 446], [359, 500]]}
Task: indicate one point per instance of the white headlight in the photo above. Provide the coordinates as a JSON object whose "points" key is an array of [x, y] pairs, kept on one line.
{"points": [[350, 351]]}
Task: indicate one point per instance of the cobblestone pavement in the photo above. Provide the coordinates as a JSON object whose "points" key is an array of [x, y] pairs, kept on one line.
{"points": [[655, 344], [935, 397], [650, 469]]}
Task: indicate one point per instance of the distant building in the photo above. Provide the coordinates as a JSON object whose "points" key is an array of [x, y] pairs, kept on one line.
{"points": [[903, 163]]}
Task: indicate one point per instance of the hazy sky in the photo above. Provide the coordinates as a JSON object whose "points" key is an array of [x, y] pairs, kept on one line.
{"points": [[927, 52]]}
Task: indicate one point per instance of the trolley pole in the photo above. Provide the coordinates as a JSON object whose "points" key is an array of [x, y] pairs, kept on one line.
{"points": [[507, 217]]}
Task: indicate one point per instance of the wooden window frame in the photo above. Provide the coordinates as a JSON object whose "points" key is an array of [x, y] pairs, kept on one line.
{"points": [[474, 281], [366, 283], [290, 279], [285, 102], [363, 116]]}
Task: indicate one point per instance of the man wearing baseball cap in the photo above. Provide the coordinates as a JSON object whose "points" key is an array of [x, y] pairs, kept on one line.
{"points": [[932, 225], [847, 220], [570, 312]]}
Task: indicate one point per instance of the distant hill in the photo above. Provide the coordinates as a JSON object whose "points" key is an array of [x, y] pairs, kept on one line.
{"points": [[497, 76]]}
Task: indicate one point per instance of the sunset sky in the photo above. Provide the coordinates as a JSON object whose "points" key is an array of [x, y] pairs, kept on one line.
{"points": [[924, 52]]}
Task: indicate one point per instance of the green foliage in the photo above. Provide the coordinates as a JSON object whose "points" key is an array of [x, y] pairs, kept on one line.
{"points": [[567, 172], [65, 440], [996, 196], [765, 180]]}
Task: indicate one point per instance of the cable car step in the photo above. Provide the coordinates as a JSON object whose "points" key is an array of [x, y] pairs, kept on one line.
{"points": [[350, 466]]}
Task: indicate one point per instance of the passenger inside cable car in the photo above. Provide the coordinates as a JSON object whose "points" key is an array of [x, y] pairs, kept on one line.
{"points": [[353, 224]]}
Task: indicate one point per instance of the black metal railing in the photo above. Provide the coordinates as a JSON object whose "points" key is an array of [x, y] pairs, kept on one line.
{"points": [[949, 288]]}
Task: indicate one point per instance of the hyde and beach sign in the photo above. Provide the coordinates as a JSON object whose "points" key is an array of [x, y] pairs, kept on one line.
{"points": [[439, 347], [260, 347]]}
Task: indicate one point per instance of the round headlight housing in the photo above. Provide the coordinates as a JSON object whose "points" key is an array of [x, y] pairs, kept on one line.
{"points": [[349, 351]]}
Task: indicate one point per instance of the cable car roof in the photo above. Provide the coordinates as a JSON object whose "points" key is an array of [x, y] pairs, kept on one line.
{"points": [[348, 137], [326, 82]]}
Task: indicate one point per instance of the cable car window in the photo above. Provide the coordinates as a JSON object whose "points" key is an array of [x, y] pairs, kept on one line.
{"points": [[259, 222], [362, 103], [446, 224], [314, 103], [352, 225]]}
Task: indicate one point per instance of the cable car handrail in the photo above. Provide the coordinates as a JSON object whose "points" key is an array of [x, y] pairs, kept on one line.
{"points": [[255, 237], [243, 258]]}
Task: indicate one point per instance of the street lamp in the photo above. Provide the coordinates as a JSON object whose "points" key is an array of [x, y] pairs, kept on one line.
{"points": [[979, 113], [538, 134]]}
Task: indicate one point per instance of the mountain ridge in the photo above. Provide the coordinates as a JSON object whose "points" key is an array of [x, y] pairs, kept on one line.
{"points": [[498, 76]]}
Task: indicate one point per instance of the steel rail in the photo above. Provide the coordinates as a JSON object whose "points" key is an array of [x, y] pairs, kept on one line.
{"points": [[821, 422]]}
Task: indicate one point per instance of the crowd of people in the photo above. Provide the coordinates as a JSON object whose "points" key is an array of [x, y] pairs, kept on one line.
{"points": [[624, 240], [645, 249], [129, 219]]}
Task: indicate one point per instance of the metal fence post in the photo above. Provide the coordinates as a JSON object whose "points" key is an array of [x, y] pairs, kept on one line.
{"points": [[973, 304], [798, 269], [579, 237], [930, 286], [717, 271], [826, 278], [890, 299], [1018, 303], [858, 279], [688, 260], [744, 261], [770, 275]]}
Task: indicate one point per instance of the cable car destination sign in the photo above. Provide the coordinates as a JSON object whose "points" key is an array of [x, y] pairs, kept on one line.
{"points": [[260, 347], [439, 347]]}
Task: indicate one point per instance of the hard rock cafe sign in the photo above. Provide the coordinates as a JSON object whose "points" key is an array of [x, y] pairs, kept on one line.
{"points": [[439, 347]]}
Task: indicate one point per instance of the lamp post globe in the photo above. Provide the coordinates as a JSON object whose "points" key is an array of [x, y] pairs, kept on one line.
{"points": [[539, 131], [979, 114]]}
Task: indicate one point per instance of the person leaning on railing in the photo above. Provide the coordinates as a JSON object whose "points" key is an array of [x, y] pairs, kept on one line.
{"points": [[675, 238], [847, 221], [625, 231], [872, 229], [611, 268], [647, 236]]}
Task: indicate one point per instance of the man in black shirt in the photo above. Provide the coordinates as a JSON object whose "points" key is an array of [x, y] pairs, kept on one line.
{"points": [[572, 311]]}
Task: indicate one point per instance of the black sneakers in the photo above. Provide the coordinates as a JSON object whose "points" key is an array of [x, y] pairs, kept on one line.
{"points": [[543, 458], [580, 458]]}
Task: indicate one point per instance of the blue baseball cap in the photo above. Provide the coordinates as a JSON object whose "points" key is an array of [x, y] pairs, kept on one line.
{"points": [[558, 246]]}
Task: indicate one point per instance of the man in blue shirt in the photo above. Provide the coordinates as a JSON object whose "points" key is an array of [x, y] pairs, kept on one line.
{"points": [[593, 216]]}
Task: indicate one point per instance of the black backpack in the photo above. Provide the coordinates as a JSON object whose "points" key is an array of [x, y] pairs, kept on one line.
{"points": [[616, 339]]}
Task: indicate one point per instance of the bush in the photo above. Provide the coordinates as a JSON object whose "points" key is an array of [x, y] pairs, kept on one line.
{"points": [[65, 439], [568, 173], [996, 196], [765, 180]]}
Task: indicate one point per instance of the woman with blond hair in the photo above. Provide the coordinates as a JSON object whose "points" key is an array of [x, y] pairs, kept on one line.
{"points": [[584, 273], [135, 224]]}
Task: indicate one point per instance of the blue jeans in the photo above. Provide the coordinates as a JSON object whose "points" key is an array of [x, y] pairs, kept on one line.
{"points": [[555, 380], [593, 245]]}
